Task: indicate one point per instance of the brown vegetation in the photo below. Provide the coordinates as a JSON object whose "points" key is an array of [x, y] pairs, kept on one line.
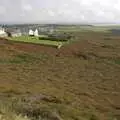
{"points": [[80, 81]]}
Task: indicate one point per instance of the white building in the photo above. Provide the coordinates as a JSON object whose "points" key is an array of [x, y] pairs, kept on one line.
{"points": [[31, 32], [2, 32], [36, 33]]}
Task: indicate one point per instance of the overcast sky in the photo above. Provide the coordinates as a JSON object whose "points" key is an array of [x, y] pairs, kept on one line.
{"points": [[76, 11]]}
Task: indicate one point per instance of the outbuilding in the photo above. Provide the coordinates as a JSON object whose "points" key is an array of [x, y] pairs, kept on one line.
{"points": [[36, 33], [2, 32], [13, 32], [31, 32]]}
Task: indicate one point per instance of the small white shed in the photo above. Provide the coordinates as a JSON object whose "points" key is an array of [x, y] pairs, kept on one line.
{"points": [[31, 32], [36, 33], [2, 32]]}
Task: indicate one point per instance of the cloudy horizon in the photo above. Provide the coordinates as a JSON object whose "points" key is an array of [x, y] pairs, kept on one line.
{"points": [[60, 11]]}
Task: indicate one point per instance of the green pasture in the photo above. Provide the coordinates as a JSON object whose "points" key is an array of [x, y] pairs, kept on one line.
{"points": [[34, 40]]}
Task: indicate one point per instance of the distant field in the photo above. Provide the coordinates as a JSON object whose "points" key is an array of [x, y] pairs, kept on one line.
{"points": [[34, 40], [87, 28]]}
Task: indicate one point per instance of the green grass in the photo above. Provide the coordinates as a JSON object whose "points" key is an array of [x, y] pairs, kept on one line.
{"points": [[34, 40]]}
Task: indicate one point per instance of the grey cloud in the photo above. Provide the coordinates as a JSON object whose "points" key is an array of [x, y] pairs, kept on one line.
{"points": [[59, 11]]}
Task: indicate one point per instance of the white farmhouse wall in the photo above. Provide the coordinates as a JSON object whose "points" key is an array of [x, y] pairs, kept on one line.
{"points": [[31, 32], [36, 33], [2, 32], [16, 34]]}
